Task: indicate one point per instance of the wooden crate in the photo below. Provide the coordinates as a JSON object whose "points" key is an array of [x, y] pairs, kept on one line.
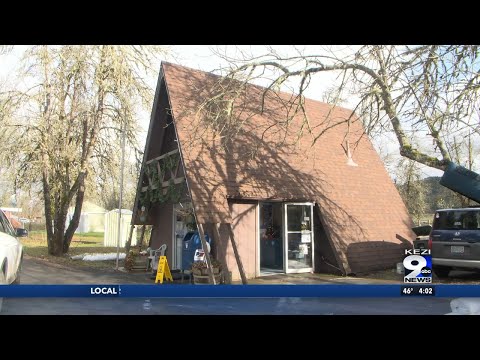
{"points": [[140, 264]]}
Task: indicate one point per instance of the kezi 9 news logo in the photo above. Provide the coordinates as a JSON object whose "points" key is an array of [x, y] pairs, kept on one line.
{"points": [[418, 266]]}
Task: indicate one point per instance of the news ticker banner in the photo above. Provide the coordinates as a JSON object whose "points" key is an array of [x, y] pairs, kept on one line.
{"points": [[237, 291]]}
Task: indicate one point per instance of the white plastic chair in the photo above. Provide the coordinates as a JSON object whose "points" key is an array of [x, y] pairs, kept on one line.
{"points": [[155, 256]]}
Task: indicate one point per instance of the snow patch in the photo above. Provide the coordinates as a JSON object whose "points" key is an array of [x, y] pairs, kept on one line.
{"points": [[98, 257]]}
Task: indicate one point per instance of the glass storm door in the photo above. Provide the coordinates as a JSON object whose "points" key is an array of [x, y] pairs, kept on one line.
{"points": [[179, 231], [298, 237]]}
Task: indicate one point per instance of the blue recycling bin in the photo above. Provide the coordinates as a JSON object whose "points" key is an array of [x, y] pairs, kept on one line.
{"points": [[191, 242]]}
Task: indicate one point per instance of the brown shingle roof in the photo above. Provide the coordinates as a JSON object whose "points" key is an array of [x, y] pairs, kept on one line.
{"points": [[357, 204]]}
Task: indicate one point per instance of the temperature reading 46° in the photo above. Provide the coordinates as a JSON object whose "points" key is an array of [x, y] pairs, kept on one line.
{"points": [[407, 290]]}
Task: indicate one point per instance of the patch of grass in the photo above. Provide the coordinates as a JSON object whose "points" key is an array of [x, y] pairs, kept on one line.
{"points": [[39, 239], [35, 245], [87, 234], [98, 235]]}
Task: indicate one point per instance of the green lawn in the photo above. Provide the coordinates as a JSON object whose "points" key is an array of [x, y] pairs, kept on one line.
{"points": [[35, 245]]}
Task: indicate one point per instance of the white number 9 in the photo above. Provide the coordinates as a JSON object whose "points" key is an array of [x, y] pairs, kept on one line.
{"points": [[416, 269]]}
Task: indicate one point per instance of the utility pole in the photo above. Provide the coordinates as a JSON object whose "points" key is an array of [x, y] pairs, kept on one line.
{"points": [[122, 163]]}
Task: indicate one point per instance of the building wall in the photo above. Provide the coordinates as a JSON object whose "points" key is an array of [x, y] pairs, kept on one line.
{"points": [[162, 216], [324, 260], [362, 210], [244, 226]]}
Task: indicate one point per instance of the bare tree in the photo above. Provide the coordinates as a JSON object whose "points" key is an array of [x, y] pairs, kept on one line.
{"points": [[411, 188], [430, 90], [5, 49], [63, 125], [104, 186]]}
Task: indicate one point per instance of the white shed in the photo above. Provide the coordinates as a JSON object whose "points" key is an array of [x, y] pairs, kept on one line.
{"points": [[111, 228], [92, 218]]}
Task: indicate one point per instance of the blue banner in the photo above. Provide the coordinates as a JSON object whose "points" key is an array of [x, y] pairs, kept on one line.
{"points": [[234, 291]]}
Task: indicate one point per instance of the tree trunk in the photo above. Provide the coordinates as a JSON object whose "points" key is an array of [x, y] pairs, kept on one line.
{"points": [[76, 216], [57, 241], [89, 133], [48, 212]]}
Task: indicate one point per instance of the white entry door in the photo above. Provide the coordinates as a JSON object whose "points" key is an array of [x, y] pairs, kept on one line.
{"points": [[298, 237]]}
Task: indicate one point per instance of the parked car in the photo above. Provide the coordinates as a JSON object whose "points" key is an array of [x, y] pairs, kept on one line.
{"points": [[455, 240], [11, 252], [423, 234]]}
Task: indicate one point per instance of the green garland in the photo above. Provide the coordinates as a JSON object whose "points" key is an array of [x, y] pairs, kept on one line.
{"points": [[158, 195], [170, 162]]}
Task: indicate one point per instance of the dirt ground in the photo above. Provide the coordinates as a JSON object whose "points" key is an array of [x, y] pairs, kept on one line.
{"points": [[42, 271]]}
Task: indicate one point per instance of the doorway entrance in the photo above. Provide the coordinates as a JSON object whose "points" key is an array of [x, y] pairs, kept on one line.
{"points": [[180, 229], [271, 238], [299, 237], [286, 237]]}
